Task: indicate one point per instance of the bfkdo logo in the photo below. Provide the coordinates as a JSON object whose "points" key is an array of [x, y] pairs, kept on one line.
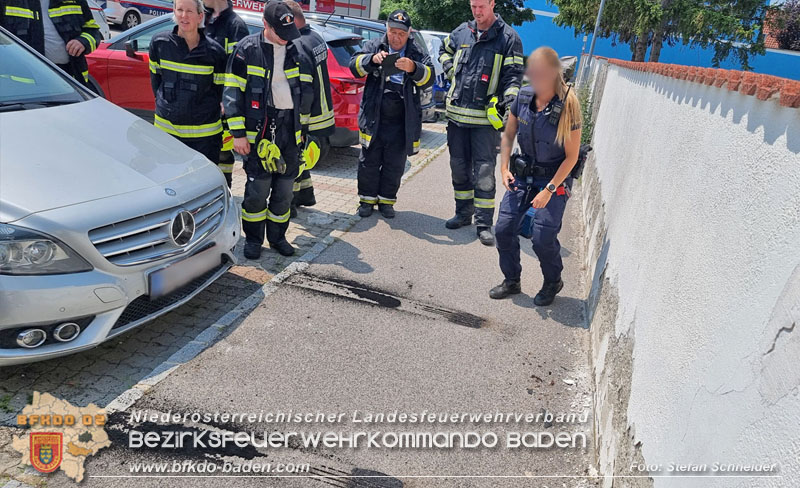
{"points": [[46, 450]]}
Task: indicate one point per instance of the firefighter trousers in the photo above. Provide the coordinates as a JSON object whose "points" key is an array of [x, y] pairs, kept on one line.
{"points": [[381, 165], [473, 155]]}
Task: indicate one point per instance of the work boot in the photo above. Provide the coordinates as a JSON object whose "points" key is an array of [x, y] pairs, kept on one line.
{"points": [[458, 221], [485, 236], [293, 211], [252, 250], [365, 209], [548, 293], [386, 210], [505, 289], [304, 201], [283, 247]]}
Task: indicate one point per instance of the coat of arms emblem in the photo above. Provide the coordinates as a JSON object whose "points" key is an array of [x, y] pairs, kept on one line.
{"points": [[46, 451]]}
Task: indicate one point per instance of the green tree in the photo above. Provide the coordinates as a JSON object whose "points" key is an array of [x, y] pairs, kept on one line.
{"points": [[731, 28], [446, 15]]}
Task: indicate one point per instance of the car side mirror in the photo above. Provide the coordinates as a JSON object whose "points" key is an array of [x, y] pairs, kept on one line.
{"points": [[131, 46]]}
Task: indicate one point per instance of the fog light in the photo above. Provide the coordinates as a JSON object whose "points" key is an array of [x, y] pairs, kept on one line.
{"points": [[67, 331], [31, 338]]}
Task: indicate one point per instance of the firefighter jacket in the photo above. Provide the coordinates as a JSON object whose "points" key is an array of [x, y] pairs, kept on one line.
{"points": [[248, 92], [187, 84], [72, 19], [313, 48], [227, 29], [479, 69], [369, 115]]}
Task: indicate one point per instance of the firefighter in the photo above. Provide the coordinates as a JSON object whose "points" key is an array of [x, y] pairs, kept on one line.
{"points": [[546, 119], [483, 60], [62, 30], [390, 118], [321, 123], [187, 72], [265, 102], [226, 27]]}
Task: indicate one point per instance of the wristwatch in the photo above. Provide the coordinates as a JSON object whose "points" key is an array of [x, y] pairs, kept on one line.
{"points": [[551, 188]]}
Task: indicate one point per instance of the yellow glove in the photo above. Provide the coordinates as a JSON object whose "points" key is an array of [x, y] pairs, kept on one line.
{"points": [[270, 155], [493, 115], [311, 152]]}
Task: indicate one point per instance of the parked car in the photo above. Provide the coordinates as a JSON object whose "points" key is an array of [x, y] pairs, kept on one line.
{"points": [[119, 71], [100, 17], [130, 14], [106, 222], [371, 29]]}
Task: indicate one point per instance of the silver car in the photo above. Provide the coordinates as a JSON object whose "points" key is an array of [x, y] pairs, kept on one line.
{"points": [[105, 221], [130, 14]]}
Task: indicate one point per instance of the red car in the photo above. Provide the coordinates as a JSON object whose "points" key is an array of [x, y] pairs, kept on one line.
{"points": [[119, 71]]}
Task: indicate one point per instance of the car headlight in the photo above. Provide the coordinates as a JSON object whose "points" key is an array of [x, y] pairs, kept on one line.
{"points": [[26, 252]]}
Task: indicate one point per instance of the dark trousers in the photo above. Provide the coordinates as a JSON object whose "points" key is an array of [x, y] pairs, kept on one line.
{"points": [[268, 196], [473, 154], [546, 226], [207, 146], [304, 189], [381, 165], [81, 78], [225, 162]]}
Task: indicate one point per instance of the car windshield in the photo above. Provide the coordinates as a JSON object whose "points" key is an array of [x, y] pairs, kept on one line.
{"points": [[344, 49], [28, 82]]}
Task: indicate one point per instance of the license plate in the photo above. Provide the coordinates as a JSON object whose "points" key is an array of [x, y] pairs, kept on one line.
{"points": [[166, 280]]}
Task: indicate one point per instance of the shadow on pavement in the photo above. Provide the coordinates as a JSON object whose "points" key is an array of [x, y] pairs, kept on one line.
{"points": [[347, 256], [565, 310], [431, 229]]}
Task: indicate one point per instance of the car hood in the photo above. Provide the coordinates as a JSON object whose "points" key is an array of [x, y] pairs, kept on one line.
{"points": [[60, 156]]}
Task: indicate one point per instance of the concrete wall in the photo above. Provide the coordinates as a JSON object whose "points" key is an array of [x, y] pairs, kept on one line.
{"points": [[692, 211]]}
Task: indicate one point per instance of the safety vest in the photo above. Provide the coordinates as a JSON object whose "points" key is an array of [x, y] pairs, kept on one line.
{"points": [[534, 128]]}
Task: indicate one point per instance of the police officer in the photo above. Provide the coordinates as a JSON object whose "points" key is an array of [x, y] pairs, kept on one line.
{"points": [[265, 102], [483, 60], [321, 123], [546, 118], [187, 72], [227, 28], [62, 30], [390, 118]]}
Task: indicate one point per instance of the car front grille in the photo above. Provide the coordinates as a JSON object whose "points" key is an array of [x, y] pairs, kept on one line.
{"points": [[147, 238]]}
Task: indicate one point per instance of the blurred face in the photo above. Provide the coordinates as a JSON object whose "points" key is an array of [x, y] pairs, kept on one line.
{"points": [[186, 16], [397, 37], [272, 36], [483, 12], [541, 74]]}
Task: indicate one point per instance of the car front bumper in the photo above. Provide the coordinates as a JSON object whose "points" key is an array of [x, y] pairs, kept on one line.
{"points": [[109, 299]]}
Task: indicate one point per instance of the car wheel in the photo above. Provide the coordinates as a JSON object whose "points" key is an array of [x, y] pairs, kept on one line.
{"points": [[130, 20]]}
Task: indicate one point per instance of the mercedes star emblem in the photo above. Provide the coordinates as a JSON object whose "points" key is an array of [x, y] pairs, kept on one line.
{"points": [[170, 192], [182, 229]]}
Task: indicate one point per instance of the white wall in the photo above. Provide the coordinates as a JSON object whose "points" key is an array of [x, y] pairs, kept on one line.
{"points": [[700, 189]]}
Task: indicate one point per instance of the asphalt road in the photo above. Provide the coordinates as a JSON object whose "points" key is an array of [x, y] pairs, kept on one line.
{"points": [[393, 316]]}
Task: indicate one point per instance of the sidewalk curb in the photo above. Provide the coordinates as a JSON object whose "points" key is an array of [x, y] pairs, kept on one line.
{"points": [[207, 337]]}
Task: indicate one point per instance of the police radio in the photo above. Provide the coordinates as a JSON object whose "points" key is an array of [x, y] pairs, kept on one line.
{"points": [[557, 107]]}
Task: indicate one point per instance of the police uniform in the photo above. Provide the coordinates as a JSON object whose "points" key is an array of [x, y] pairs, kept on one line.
{"points": [[72, 19], [227, 29], [536, 135], [188, 90], [255, 111], [390, 117], [320, 121], [480, 65]]}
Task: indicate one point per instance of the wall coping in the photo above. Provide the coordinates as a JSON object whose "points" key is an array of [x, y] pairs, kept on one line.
{"points": [[764, 87]]}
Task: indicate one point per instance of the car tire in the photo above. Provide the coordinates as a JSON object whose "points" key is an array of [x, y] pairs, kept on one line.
{"points": [[130, 20]]}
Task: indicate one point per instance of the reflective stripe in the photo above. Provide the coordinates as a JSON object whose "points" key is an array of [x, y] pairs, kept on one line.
{"points": [[465, 195], [292, 72], [235, 123], [254, 217], [19, 12], [154, 67], [91, 24], [225, 167], [251, 136], [445, 57], [298, 137], [306, 183], [484, 202], [511, 91], [296, 186], [219, 78], [230, 45], [466, 119], [278, 218], [304, 118], [495, 77], [386, 201], [426, 77], [195, 69], [306, 78], [235, 81], [256, 70], [367, 199], [447, 45], [91, 40], [359, 69], [65, 10], [364, 139], [466, 111], [452, 72], [85, 76], [189, 131], [322, 125]]}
